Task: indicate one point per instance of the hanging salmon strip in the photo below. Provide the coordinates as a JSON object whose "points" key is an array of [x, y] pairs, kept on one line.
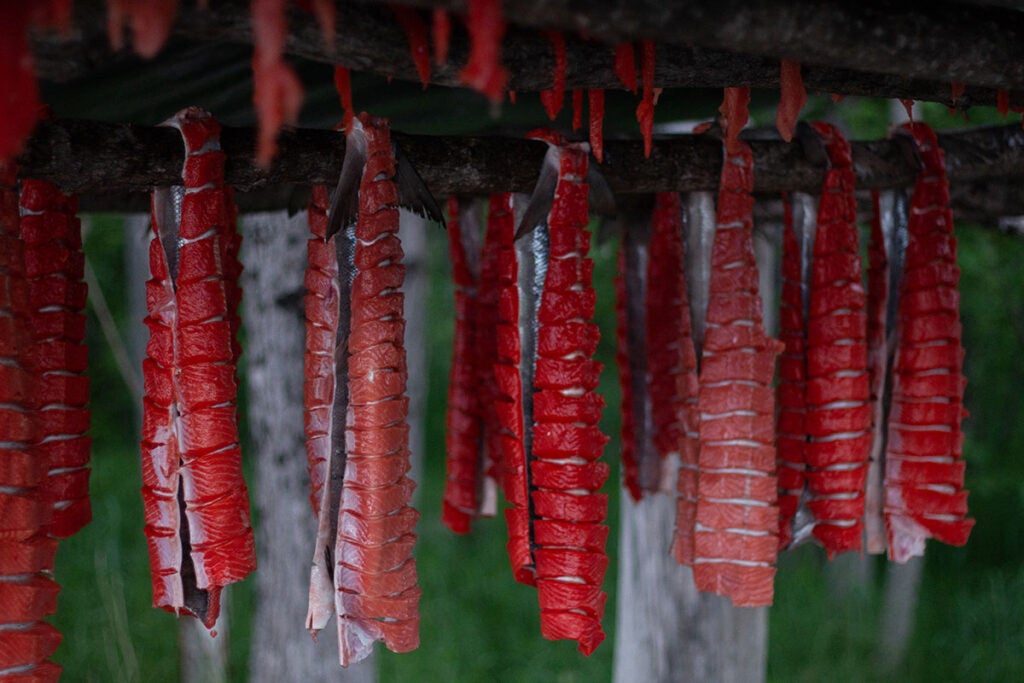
{"points": [[483, 71], [277, 91], [837, 417], [792, 98], [555, 97], [470, 488], [194, 497], [55, 267], [549, 408], [595, 104], [356, 430], [415, 28], [736, 530], [924, 496]]}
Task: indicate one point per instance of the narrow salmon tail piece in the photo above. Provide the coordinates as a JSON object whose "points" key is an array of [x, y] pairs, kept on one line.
{"points": [[470, 488], [194, 496], [366, 526], [566, 514], [736, 530], [27, 547], [837, 415], [924, 472], [55, 268]]}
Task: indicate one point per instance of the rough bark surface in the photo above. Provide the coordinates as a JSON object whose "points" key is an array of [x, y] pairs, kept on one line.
{"points": [[91, 156], [274, 254]]}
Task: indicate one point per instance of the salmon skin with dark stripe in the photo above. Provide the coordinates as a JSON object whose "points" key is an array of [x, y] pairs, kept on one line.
{"points": [[356, 428], [924, 472], [546, 343], [470, 486], [195, 500], [28, 592], [736, 526]]}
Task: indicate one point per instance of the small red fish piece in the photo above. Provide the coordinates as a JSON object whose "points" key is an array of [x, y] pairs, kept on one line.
{"points": [[54, 267], [595, 106], [554, 98], [150, 22], [194, 497], [837, 418], [736, 537], [625, 66], [956, 91], [1003, 102], [20, 106], [791, 436], [442, 30], [735, 113], [415, 28], [792, 100], [483, 71], [357, 434], [574, 613], [343, 84], [277, 91], [645, 110], [924, 496], [577, 109]]}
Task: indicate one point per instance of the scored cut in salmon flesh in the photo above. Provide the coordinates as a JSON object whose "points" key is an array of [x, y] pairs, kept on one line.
{"points": [[195, 500], [736, 528], [357, 436], [924, 495]]}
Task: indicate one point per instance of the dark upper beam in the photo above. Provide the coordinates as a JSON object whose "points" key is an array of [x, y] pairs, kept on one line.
{"points": [[937, 40], [94, 157], [369, 39]]}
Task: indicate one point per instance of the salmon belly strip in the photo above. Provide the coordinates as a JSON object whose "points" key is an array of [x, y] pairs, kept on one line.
{"points": [[195, 500], [736, 526]]}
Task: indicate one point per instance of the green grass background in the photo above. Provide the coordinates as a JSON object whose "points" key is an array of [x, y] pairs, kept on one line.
{"points": [[479, 625]]}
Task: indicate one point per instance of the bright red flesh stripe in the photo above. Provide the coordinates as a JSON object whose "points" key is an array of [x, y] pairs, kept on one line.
{"points": [[374, 574], [735, 538], [55, 266], [792, 99], [569, 573], [415, 28], [554, 98], [791, 437], [483, 71], [924, 494], [195, 500], [838, 417], [596, 113]]}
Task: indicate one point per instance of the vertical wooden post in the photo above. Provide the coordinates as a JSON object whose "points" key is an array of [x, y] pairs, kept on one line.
{"points": [[274, 254], [666, 630]]}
